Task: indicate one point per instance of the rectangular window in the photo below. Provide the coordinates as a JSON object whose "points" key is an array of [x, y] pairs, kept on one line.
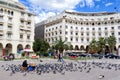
{"points": [[119, 40], [93, 28], [22, 13], [60, 26], [76, 39], [66, 26], [87, 29], [82, 40], [71, 39], [93, 34], [10, 19], [66, 39], [99, 28], [112, 28], [66, 32], [87, 40], [76, 27], [28, 36], [76, 33], [87, 34], [105, 28], [118, 27], [71, 33], [21, 36], [112, 33], [9, 35], [82, 34], [106, 34], [1, 17], [118, 33], [99, 34]]}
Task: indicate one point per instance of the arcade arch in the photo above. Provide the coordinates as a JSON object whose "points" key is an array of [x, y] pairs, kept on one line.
{"points": [[19, 48], [8, 49]]}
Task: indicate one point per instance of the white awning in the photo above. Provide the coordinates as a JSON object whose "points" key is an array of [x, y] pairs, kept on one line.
{"points": [[28, 50]]}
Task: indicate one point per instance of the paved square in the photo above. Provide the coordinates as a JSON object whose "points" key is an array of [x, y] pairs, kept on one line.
{"points": [[108, 69]]}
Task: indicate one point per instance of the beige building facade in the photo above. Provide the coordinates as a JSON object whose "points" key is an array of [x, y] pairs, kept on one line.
{"points": [[79, 28], [16, 27]]}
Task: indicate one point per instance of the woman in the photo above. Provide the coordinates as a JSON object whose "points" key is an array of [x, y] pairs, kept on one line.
{"points": [[24, 65]]}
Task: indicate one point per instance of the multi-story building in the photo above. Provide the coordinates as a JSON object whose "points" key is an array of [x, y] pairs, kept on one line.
{"points": [[80, 28], [39, 30], [16, 27]]}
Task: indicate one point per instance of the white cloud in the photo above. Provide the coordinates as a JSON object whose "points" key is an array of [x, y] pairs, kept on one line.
{"points": [[47, 8], [108, 4], [82, 3], [90, 3], [43, 15], [55, 4]]}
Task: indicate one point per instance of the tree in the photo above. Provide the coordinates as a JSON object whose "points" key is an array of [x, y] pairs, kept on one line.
{"points": [[37, 45], [40, 46], [93, 47], [61, 45], [101, 44], [111, 41]]}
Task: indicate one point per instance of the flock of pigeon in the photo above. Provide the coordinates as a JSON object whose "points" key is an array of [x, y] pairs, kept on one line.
{"points": [[63, 67]]}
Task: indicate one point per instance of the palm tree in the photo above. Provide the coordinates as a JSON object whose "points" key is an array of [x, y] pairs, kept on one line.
{"points": [[93, 47], [101, 44], [111, 41], [61, 45]]}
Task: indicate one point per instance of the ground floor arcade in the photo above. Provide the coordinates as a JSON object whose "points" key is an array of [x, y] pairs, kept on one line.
{"points": [[14, 48]]}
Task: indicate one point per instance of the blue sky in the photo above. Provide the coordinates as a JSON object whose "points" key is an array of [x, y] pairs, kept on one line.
{"points": [[46, 8]]}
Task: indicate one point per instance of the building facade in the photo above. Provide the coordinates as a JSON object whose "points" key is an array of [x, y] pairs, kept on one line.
{"points": [[16, 27], [39, 30], [80, 28]]}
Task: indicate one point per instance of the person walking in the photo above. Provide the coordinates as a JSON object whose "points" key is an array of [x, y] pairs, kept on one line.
{"points": [[60, 58]]}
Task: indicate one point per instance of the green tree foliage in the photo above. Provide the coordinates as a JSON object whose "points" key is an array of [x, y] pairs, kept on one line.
{"points": [[61, 45], [98, 46], [40, 45], [93, 47], [111, 41], [101, 44]]}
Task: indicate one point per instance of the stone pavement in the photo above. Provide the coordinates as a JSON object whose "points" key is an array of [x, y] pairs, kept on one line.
{"points": [[93, 75]]}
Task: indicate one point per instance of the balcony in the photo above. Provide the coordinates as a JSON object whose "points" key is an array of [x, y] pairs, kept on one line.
{"points": [[29, 18], [22, 32], [28, 40], [22, 18], [9, 29], [1, 37], [9, 38], [21, 27], [28, 26], [1, 20], [28, 32], [22, 24], [10, 21], [1, 28], [21, 39], [28, 29]]}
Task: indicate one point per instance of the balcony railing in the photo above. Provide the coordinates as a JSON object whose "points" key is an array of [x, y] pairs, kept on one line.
{"points": [[1, 27], [1, 37]]}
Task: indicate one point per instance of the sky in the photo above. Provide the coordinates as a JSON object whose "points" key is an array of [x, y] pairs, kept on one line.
{"points": [[47, 8]]}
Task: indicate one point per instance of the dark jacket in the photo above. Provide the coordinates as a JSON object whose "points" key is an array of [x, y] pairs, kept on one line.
{"points": [[25, 64]]}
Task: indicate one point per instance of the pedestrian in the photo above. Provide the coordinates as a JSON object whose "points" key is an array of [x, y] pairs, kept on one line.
{"points": [[24, 65], [60, 58]]}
